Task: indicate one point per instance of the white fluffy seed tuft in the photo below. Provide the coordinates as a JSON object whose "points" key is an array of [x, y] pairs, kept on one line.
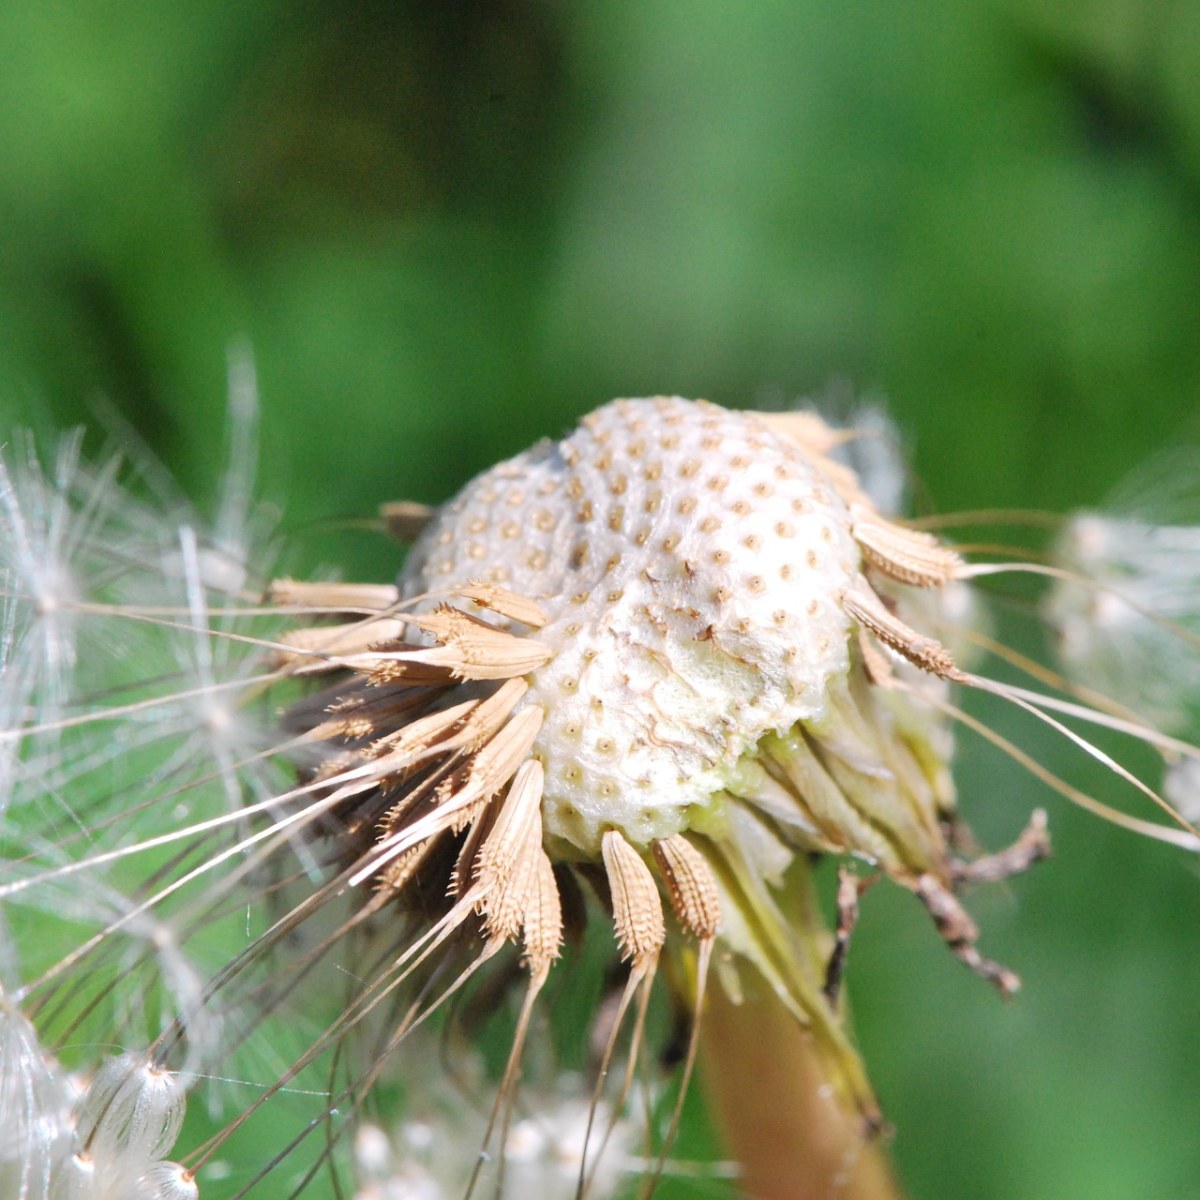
{"points": [[1129, 608], [35, 1101], [132, 1110], [167, 1181]]}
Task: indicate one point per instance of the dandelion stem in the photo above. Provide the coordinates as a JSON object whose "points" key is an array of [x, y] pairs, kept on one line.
{"points": [[771, 1098]]}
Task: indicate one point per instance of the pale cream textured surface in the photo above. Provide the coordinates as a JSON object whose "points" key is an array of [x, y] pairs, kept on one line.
{"points": [[692, 564]]}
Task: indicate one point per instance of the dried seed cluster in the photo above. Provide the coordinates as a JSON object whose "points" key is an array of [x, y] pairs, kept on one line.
{"points": [[658, 646], [691, 564]]}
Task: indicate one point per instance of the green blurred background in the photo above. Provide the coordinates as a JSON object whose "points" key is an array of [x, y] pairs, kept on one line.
{"points": [[447, 229]]}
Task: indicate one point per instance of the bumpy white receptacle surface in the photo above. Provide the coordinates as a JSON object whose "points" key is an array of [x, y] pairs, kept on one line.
{"points": [[692, 563]]}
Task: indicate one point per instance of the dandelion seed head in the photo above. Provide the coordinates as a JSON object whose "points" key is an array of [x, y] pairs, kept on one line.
{"points": [[672, 656], [699, 616], [690, 563]]}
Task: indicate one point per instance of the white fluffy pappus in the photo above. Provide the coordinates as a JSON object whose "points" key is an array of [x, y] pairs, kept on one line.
{"points": [[545, 1148], [1127, 612]]}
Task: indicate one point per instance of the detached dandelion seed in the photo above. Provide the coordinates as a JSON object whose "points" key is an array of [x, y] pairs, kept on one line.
{"points": [[1127, 613], [663, 663]]}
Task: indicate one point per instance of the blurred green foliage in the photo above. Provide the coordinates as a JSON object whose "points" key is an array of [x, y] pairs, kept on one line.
{"points": [[448, 229]]}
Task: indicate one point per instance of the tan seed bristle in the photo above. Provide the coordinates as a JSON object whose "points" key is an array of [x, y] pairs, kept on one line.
{"points": [[929, 654], [504, 907], [497, 761], [461, 796], [370, 711], [637, 907], [490, 655], [468, 817], [414, 667], [500, 600], [352, 728], [411, 741], [405, 519], [907, 555], [691, 885], [398, 874], [483, 723], [474, 820], [543, 916], [338, 764], [876, 665], [312, 643], [468, 725], [334, 597], [400, 811], [506, 864], [473, 649]]}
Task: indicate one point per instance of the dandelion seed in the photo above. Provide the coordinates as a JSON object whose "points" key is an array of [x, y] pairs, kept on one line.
{"points": [[167, 1181], [103, 1138], [132, 1107], [421, 1156], [35, 1099], [706, 655], [1127, 614]]}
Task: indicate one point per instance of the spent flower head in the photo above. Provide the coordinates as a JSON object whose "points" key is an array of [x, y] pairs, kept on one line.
{"points": [[663, 663]]}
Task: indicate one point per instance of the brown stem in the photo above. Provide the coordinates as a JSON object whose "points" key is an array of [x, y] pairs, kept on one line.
{"points": [[771, 1100]]}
